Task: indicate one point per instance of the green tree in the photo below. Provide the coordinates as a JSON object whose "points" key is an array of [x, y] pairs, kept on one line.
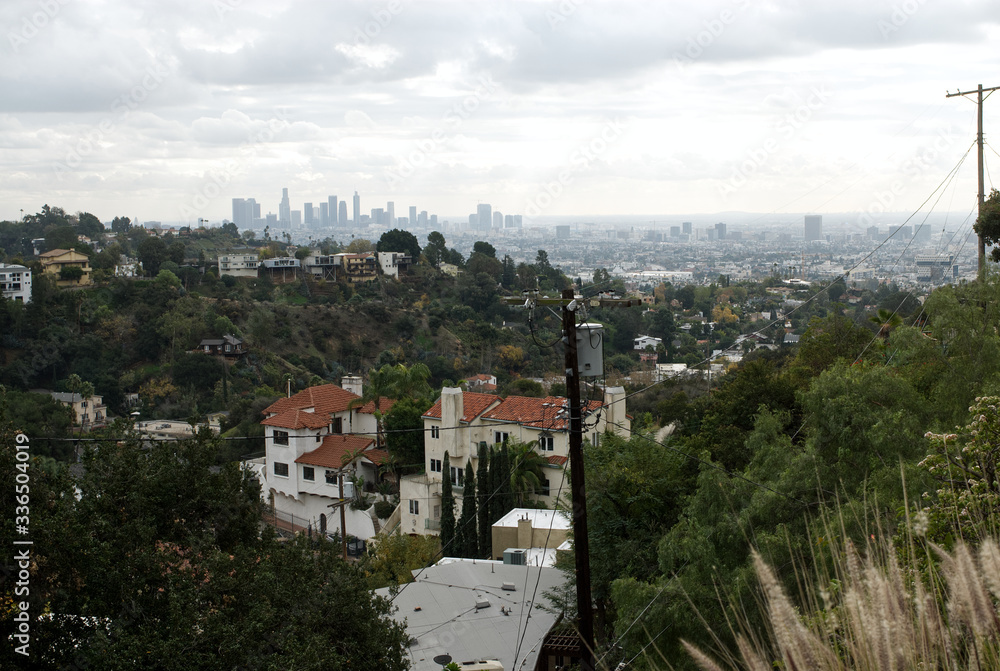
{"points": [[436, 250], [393, 382], [526, 472], [404, 437], [483, 503], [152, 251], [398, 240], [484, 248], [71, 273], [987, 224], [392, 558], [468, 530], [448, 541]]}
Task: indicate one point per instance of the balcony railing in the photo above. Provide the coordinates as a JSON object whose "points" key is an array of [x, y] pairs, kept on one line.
{"points": [[434, 525]]}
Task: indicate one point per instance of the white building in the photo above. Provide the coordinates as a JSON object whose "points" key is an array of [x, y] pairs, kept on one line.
{"points": [[642, 342], [239, 265], [15, 283], [311, 440], [461, 421], [392, 263]]}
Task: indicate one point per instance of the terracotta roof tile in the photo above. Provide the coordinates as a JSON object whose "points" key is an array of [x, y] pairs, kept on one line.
{"points": [[549, 413], [384, 406], [473, 405], [327, 398], [377, 456], [297, 419], [335, 450], [557, 460]]}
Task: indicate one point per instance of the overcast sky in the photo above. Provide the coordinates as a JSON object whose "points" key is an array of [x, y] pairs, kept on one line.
{"points": [[167, 110]]}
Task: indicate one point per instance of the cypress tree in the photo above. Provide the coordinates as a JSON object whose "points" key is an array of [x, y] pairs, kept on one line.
{"points": [[506, 492], [468, 529], [447, 510], [493, 500], [483, 481]]}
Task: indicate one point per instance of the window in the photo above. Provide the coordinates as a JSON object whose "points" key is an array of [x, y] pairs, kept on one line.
{"points": [[457, 475], [281, 469], [338, 425], [308, 473], [331, 477], [546, 487], [83, 404], [414, 507], [437, 512], [500, 437], [435, 465], [546, 443], [435, 432], [280, 437], [595, 439], [318, 438]]}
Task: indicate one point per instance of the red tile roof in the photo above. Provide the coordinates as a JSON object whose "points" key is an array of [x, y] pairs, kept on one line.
{"points": [[335, 451], [550, 413], [384, 406], [377, 456], [326, 399], [557, 460], [473, 405], [297, 419]]}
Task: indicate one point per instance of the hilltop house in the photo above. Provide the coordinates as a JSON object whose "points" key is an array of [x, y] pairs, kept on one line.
{"points": [[227, 345], [243, 264], [15, 283], [54, 261], [311, 440], [459, 422], [88, 413]]}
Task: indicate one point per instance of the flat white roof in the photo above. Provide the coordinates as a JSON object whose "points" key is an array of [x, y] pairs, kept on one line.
{"points": [[540, 519]]}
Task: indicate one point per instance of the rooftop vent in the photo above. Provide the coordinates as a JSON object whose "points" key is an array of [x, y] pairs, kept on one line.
{"points": [[509, 587]]}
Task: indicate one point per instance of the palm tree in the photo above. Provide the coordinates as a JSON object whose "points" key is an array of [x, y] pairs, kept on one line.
{"points": [[392, 382], [886, 320], [526, 474]]}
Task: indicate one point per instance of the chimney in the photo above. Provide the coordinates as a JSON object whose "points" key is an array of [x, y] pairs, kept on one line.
{"points": [[615, 417], [352, 383], [524, 532], [452, 406]]}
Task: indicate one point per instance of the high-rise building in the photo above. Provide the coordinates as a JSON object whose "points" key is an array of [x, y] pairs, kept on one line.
{"points": [[675, 231], [720, 231], [296, 219], [324, 214], [308, 212], [243, 212], [497, 220], [922, 233], [686, 227], [357, 209], [332, 208], [342, 213], [390, 213], [814, 227], [413, 215], [485, 216], [285, 210], [378, 216], [422, 218]]}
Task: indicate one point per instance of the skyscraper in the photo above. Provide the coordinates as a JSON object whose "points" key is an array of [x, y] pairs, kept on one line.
{"points": [[390, 213], [324, 214], [285, 210], [413, 215], [342, 213], [485, 212], [814, 227], [720, 231], [332, 202], [357, 209], [497, 220], [307, 211], [686, 227]]}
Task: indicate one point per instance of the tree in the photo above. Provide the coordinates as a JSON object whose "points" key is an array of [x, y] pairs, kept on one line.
{"points": [[393, 382], [71, 273], [360, 246], [398, 240], [121, 225], [886, 320], [447, 509], [436, 250], [153, 552], [526, 472], [231, 229], [392, 558], [468, 530], [151, 252], [89, 225], [988, 223], [484, 248], [404, 438], [483, 507], [175, 252]]}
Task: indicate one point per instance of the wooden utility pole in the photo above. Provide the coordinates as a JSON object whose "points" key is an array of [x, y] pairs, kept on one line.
{"points": [[341, 504], [581, 540], [979, 141]]}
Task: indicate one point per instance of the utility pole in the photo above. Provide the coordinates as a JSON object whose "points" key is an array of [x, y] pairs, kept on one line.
{"points": [[979, 141], [581, 540]]}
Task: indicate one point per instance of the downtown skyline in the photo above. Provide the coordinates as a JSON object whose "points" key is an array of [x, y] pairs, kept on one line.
{"points": [[550, 109]]}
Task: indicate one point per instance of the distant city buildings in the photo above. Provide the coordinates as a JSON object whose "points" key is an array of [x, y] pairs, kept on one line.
{"points": [[813, 227]]}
